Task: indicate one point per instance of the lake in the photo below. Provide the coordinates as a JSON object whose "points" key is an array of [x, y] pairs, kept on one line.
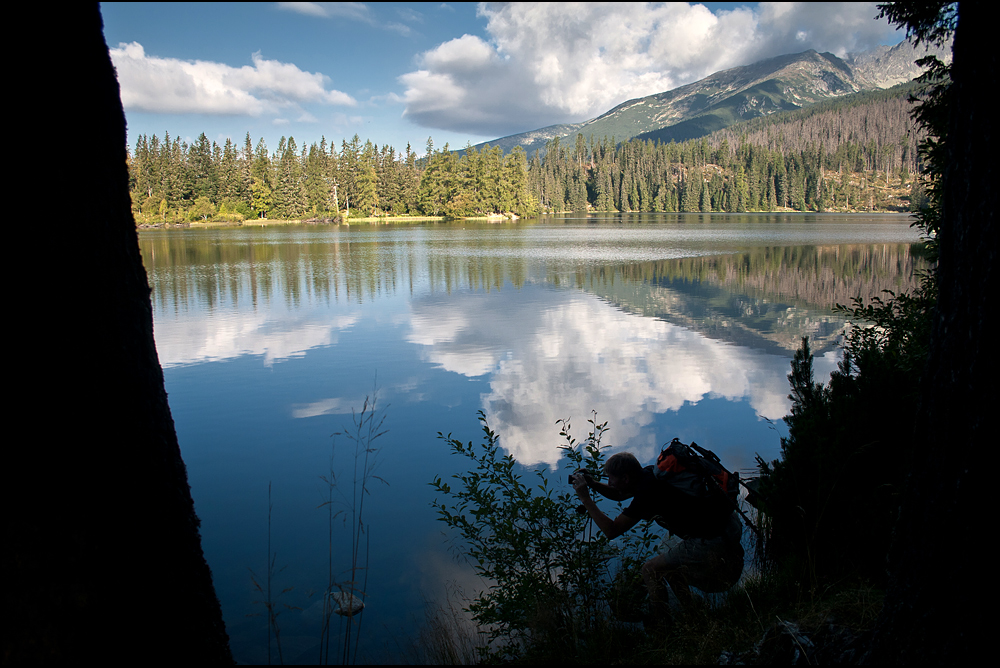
{"points": [[665, 324]]}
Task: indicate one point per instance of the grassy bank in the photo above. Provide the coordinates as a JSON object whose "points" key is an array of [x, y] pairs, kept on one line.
{"points": [[766, 619], [769, 619]]}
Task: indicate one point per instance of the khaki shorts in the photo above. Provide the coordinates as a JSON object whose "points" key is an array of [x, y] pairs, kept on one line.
{"points": [[712, 565]]}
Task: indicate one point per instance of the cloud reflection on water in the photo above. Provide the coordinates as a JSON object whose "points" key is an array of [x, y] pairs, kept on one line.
{"points": [[557, 353], [197, 336]]}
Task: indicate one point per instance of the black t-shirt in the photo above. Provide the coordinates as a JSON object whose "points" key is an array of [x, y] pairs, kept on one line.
{"points": [[674, 510]]}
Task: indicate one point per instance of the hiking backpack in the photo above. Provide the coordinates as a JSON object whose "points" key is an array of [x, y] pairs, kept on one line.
{"points": [[704, 494]]}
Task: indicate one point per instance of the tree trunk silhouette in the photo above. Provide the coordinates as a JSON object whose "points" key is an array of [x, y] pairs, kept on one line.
{"points": [[101, 542], [939, 578]]}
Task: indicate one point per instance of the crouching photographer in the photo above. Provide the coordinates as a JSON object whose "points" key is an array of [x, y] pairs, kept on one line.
{"points": [[702, 547]]}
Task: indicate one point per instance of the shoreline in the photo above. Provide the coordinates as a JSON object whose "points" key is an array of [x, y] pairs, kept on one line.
{"points": [[370, 220], [375, 220], [265, 222]]}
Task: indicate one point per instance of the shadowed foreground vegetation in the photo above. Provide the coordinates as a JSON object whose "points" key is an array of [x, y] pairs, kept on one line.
{"points": [[875, 462], [563, 593]]}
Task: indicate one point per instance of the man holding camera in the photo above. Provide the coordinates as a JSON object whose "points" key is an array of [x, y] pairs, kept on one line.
{"points": [[700, 549]]}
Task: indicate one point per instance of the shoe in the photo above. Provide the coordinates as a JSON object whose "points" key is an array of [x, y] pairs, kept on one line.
{"points": [[657, 618]]}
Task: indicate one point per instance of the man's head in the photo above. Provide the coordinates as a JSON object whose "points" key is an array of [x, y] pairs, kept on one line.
{"points": [[623, 471]]}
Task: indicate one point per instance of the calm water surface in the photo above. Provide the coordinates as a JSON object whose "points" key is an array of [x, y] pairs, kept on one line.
{"points": [[666, 325]]}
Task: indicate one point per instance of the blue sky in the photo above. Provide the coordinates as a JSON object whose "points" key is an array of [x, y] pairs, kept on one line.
{"points": [[458, 72]]}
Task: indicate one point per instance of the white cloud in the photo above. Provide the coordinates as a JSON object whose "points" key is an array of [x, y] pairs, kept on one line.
{"points": [[464, 54], [170, 85], [432, 92], [397, 27], [409, 14], [355, 11], [348, 10], [546, 63]]}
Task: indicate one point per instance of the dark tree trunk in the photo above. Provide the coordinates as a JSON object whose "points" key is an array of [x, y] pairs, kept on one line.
{"points": [[939, 578], [101, 543]]}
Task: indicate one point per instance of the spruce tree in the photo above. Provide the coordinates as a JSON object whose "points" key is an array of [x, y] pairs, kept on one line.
{"points": [[261, 191]]}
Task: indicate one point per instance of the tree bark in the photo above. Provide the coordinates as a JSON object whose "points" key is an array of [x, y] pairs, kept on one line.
{"points": [[101, 542], [939, 579]]}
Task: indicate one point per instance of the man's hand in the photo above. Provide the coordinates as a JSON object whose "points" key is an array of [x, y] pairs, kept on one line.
{"points": [[582, 482]]}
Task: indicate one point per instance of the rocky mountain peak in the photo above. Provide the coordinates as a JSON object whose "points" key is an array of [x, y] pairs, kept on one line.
{"points": [[887, 66], [781, 83]]}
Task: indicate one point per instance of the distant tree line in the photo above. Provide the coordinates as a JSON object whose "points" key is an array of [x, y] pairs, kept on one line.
{"points": [[172, 181], [857, 154]]}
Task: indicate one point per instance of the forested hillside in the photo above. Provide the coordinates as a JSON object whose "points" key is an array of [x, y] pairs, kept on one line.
{"points": [[856, 153]]}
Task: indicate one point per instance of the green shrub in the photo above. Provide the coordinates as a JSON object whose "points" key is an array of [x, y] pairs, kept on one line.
{"points": [[202, 209], [223, 217], [232, 206], [829, 503], [552, 574]]}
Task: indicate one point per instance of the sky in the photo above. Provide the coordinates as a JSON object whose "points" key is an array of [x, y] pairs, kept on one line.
{"points": [[399, 73]]}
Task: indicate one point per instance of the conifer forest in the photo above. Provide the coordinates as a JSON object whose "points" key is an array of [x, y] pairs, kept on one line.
{"points": [[857, 153]]}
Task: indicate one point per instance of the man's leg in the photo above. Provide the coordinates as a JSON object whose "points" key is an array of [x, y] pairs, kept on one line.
{"points": [[712, 565], [666, 567]]}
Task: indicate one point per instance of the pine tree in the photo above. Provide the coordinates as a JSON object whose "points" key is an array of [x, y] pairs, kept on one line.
{"points": [[246, 159], [742, 191], [365, 195], [230, 179], [349, 167], [604, 201], [317, 186], [261, 191], [433, 193], [409, 181], [202, 169]]}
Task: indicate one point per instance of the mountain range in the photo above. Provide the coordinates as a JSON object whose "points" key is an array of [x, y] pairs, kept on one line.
{"points": [[782, 83]]}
